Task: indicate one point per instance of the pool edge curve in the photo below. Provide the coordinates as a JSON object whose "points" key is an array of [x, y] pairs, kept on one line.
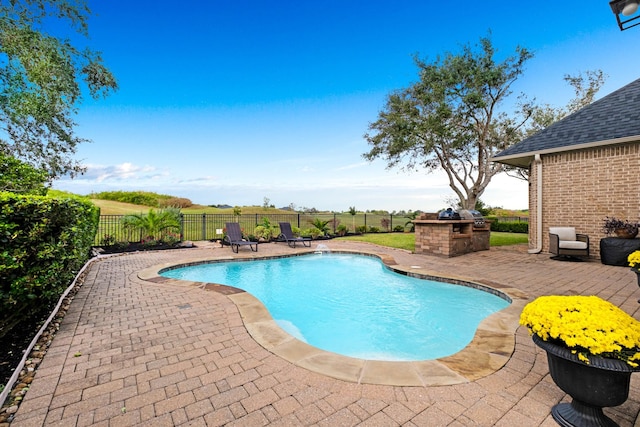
{"points": [[489, 350]]}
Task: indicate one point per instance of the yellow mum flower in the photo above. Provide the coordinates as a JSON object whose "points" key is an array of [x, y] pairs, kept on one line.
{"points": [[588, 325], [634, 260]]}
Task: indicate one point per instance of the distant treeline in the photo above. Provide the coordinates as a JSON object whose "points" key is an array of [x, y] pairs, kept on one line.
{"points": [[144, 198]]}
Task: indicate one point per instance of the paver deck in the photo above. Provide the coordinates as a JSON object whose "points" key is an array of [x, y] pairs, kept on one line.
{"points": [[132, 351]]}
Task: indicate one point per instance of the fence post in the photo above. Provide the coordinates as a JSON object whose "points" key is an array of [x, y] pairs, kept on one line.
{"points": [[181, 225], [365, 222], [204, 226], [390, 222], [334, 223], [298, 220]]}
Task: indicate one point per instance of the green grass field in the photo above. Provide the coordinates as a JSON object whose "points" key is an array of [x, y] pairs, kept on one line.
{"points": [[407, 240]]}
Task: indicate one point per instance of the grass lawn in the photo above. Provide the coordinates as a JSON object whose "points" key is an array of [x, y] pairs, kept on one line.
{"points": [[503, 239], [407, 240]]}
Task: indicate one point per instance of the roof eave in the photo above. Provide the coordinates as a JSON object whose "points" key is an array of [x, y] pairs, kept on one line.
{"points": [[523, 160]]}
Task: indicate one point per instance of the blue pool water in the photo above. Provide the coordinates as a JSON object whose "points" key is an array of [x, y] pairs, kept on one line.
{"points": [[355, 306]]}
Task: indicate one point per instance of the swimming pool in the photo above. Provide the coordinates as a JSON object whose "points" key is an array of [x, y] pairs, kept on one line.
{"points": [[355, 306]]}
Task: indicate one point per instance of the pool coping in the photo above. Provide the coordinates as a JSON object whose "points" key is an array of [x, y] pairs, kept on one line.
{"points": [[490, 349]]}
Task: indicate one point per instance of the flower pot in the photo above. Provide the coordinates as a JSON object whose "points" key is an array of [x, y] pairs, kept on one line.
{"points": [[601, 383], [625, 234]]}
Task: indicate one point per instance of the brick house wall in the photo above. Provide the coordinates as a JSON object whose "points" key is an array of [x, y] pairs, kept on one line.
{"points": [[582, 187]]}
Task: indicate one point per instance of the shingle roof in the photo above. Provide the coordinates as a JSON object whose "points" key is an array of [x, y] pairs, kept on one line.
{"points": [[610, 118]]}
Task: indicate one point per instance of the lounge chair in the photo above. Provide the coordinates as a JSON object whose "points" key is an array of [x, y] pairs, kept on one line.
{"points": [[234, 236], [287, 234], [566, 244]]}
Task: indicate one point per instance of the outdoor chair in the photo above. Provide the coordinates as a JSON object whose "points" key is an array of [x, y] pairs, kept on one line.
{"points": [[287, 234], [566, 244], [234, 236]]}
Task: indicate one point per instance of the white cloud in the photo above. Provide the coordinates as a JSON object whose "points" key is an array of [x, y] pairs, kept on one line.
{"points": [[124, 171]]}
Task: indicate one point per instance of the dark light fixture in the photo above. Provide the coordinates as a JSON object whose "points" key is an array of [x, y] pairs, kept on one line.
{"points": [[626, 12]]}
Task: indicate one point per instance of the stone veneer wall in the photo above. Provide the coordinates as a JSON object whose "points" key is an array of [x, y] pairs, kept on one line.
{"points": [[434, 237], [433, 240], [582, 187]]}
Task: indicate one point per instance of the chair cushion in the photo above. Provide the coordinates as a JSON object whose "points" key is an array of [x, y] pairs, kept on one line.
{"points": [[564, 233], [568, 244]]}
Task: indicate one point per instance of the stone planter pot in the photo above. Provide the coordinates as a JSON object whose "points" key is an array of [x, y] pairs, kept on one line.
{"points": [[625, 234], [601, 383]]}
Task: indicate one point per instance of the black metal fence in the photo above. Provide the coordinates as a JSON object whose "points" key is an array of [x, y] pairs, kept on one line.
{"points": [[211, 226]]}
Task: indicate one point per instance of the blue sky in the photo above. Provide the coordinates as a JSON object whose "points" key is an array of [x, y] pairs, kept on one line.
{"points": [[229, 102]]}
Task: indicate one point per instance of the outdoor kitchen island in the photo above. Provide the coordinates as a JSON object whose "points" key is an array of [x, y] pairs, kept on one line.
{"points": [[451, 237]]}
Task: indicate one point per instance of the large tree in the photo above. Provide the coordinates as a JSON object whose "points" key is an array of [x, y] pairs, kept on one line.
{"points": [[450, 119], [585, 88], [43, 75]]}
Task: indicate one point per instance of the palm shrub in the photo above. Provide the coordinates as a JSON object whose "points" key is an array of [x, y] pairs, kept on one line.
{"points": [[321, 225], [342, 230], [154, 224]]}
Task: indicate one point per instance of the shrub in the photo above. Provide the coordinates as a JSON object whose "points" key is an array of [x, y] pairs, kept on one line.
{"points": [[361, 229], [143, 198], [108, 240], [342, 230], [175, 202], [510, 226], [374, 229], [264, 233], [43, 244], [399, 228], [312, 232], [171, 239], [295, 230]]}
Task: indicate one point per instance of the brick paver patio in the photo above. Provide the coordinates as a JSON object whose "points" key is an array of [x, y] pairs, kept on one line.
{"points": [[133, 352]]}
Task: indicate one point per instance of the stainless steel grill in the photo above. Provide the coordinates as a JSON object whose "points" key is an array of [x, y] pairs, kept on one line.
{"points": [[478, 219]]}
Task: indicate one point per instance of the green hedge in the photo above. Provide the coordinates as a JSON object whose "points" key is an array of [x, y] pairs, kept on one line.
{"points": [[144, 198], [44, 242], [510, 226]]}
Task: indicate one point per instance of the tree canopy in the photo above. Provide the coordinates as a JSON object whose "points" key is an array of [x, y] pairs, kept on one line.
{"points": [[22, 178], [450, 119], [585, 88], [42, 79]]}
